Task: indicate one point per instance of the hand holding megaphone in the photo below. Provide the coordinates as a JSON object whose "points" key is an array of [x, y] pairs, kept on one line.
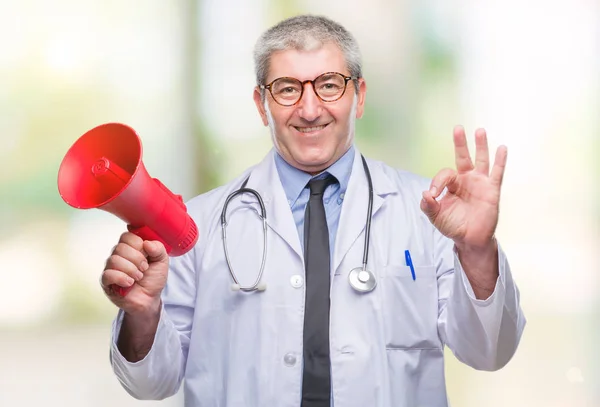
{"points": [[140, 266], [104, 170]]}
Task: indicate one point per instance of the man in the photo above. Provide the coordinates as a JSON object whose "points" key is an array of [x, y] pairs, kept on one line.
{"points": [[325, 331]]}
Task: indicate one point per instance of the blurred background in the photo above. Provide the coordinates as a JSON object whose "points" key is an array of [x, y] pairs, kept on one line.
{"points": [[181, 74]]}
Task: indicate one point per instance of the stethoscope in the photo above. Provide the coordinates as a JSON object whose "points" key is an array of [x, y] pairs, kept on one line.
{"points": [[361, 279]]}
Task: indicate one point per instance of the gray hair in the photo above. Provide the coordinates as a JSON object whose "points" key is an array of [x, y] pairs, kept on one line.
{"points": [[306, 33]]}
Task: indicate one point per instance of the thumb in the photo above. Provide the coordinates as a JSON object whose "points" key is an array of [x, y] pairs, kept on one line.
{"points": [[156, 251], [430, 206]]}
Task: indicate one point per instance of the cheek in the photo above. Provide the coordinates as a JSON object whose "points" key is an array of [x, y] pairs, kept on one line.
{"points": [[281, 119], [344, 110]]}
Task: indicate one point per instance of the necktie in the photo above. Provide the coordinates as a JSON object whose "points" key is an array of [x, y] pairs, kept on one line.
{"points": [[316, 380]]}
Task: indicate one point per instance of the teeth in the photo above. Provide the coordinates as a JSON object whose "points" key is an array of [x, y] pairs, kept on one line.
{"points": [[309, 129]]}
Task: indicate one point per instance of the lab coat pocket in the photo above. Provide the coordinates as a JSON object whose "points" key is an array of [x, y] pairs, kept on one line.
{"points": [[410, 308]]}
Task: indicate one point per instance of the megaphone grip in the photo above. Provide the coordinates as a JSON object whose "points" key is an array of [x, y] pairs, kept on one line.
{"points": [[148, 234], [122, 291]]}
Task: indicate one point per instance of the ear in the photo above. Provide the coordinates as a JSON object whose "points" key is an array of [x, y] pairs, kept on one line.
{"points": [[362, 94], [260, 106]]}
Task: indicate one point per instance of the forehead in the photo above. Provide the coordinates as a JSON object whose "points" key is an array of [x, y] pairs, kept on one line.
{"points": [[305, 65]]}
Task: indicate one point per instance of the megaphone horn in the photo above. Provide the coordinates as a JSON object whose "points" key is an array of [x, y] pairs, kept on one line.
{"points": [[104, 169]]}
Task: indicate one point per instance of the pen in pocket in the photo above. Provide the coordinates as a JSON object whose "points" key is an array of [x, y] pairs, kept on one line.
{"points": [[409, 263]]}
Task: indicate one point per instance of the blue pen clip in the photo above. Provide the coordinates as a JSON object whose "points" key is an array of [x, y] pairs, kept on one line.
{"points": [[409, 263]]}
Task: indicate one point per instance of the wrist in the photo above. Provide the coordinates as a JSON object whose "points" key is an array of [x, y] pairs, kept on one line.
{"points": [[138, 330], [480, 265], [487, 247], [144, 312]]}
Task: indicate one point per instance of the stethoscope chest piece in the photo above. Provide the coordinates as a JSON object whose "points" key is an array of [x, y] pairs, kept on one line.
{"points": [[362, 280]]}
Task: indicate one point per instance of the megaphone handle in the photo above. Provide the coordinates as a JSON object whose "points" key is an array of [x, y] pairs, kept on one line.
{"points": [[122, 291], [147, 234]]}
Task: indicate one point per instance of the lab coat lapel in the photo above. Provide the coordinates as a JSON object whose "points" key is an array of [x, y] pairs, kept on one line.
{"points": [[264, 178], [356, 200]]}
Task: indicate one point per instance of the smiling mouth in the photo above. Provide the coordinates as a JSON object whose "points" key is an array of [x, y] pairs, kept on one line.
{"points": [[310, 129]]}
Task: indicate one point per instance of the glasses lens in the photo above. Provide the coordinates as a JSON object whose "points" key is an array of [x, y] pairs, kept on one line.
{"points": [[286, 91], [330, 86]]}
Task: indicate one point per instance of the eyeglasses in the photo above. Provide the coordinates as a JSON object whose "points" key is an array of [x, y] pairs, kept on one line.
{"points": [[328, 87]]}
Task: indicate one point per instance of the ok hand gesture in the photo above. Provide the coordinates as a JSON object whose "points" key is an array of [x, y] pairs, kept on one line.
{"points": [[468, 212]]}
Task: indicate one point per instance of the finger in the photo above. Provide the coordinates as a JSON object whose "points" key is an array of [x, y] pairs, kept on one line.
{"points": [[132, 240], [156, 251], [444, 178], [482, 154], [430, 206], [117, 262], [112, 276], [134, 256], [497, 173], [461, 150]]}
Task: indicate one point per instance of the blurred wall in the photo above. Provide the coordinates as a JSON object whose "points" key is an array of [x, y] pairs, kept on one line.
{"points": [[181, 74]]}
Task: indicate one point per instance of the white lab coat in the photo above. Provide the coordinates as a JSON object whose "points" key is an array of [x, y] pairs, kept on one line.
{"points": [[245, 349]]}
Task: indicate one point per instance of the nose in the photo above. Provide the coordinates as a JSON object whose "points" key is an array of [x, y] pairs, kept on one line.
{"points": [[309, 106]]}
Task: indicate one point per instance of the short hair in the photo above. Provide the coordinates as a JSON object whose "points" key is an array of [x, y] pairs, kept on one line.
{"points": [[305, 32]]}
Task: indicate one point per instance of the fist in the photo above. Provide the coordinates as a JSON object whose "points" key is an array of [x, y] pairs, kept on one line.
{"points": [[141, 266]]}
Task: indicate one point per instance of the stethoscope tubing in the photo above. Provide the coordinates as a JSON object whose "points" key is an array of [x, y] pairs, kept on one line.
{"points": [[263, 216], [369, 215]]}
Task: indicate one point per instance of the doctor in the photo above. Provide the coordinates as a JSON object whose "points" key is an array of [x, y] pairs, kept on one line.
{"points": [[310, 332]]}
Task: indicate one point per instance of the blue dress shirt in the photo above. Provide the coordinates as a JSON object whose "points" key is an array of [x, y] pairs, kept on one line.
{"points": [[294, 183]]}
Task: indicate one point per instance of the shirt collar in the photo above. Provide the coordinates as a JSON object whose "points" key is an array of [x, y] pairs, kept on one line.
{"points": [[294, 180]]}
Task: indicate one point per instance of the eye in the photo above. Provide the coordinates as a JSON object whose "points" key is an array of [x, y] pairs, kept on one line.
{"points": [[286, 89], [289, 90], [330, 87]]}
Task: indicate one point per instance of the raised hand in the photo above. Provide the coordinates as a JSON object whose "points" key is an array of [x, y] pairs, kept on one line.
{"points": [[468, 212]]}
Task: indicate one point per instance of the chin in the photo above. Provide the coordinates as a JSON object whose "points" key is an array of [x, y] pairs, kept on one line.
{"points": [[314, 163]]}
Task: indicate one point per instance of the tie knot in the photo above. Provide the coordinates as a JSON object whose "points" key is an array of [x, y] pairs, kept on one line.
{"points": [[318, 186]]}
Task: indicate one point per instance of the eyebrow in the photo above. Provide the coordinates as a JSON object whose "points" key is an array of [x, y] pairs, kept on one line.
{"points": [[312, 79]]}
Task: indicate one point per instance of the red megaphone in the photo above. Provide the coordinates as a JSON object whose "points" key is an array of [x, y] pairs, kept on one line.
{"points": [[104, 170]]}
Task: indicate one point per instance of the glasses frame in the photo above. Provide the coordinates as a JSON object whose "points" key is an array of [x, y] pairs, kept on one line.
{"points": [[347, 79]]}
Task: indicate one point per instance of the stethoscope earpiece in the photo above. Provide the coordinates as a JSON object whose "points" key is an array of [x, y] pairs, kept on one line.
{"points": [[261, 286]]}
